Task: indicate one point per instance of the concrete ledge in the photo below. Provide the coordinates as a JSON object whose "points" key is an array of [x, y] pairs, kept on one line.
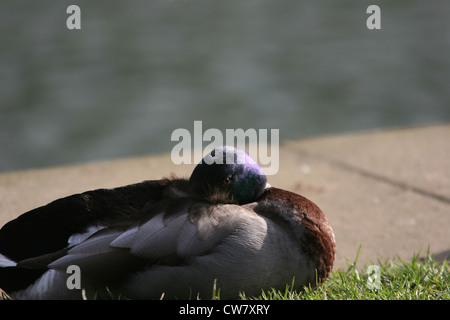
{"points": [[388, 191]]}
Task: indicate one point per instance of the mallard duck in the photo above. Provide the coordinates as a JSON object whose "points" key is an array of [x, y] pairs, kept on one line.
{"points": [[225, 227]]}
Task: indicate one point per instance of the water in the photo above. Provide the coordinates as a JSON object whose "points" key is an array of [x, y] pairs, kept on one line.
{"points": [[137, 70]]}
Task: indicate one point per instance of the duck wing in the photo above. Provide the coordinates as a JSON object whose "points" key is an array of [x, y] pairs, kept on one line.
{"points": [[171, 232], [46, 232]]}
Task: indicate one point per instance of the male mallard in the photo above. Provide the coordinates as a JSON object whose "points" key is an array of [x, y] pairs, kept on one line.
{"points": [[225, 226]]}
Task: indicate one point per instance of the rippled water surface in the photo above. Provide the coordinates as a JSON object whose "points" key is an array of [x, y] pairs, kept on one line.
{"points": [[137, 70]]}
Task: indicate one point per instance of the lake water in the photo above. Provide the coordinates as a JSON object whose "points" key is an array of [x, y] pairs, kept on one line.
{"points": [[138, 70]]}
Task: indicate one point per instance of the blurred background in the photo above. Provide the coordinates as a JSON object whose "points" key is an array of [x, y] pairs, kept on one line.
{"points": [[137, 70]]}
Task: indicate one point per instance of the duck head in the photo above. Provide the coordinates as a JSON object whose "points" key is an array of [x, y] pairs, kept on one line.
{"points": [[228, 175]]}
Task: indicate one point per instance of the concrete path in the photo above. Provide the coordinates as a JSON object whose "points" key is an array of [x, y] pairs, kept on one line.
{"points": [[386, 191]]}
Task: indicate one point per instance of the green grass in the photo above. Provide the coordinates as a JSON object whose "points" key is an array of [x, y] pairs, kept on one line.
{"points": [[417, 279], [4, 295]]}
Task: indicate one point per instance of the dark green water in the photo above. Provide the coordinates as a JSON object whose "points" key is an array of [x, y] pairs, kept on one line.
{"points": [[137, 70]]}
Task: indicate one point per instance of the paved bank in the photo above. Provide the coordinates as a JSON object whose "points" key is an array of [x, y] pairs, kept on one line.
{"points": [[388, 191]]}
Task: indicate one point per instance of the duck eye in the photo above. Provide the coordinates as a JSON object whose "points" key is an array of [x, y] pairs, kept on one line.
{"points": [[228, 179]]}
